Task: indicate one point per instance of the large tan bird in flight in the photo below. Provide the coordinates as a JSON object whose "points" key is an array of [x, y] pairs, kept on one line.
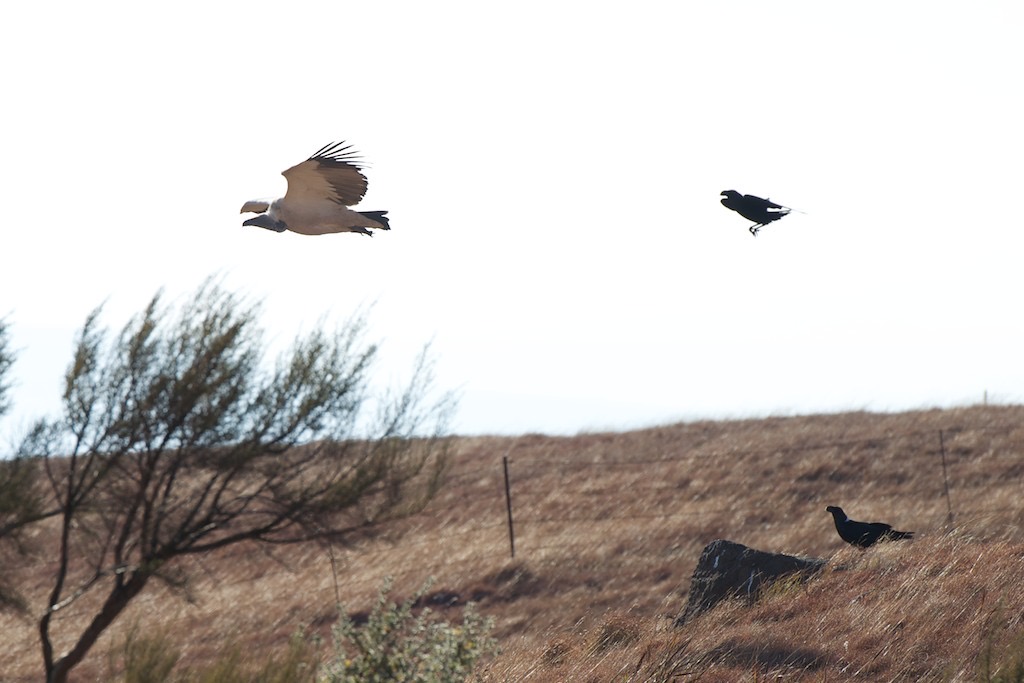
{"points": [[320, 190]]}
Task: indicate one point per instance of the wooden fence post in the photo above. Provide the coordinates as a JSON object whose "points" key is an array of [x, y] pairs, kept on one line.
{"points": [[945, 481], [508, 506]]}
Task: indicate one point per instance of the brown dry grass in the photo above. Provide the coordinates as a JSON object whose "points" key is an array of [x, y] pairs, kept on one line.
{"points": [[608, 530], [925, 611]]}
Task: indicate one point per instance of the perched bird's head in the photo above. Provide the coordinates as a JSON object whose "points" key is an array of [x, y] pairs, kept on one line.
{"points": [[265, 221], [836, 511], [731, 194]]}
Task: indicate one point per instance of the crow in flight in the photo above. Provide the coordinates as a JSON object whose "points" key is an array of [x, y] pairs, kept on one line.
{"points": [[320, 190], [864, 534], [761, 211]]}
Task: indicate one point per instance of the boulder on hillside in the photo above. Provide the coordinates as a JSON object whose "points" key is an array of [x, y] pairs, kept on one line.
{"points": [[727, 570]]}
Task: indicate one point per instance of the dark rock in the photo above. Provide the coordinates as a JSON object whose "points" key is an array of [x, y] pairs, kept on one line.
{"points": [[439, 599], [727, 570]]}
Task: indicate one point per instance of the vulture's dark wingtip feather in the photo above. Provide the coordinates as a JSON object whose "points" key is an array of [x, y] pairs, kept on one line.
{"points": [[337, 152], [323, 149]]}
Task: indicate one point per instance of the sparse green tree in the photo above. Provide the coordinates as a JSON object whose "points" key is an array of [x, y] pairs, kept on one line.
{"points": [[177, 438], [20, 500], [6, 361], [12, 473]]}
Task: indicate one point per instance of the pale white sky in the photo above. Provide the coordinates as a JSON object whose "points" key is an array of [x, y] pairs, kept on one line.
{"points": [[552, 172]]}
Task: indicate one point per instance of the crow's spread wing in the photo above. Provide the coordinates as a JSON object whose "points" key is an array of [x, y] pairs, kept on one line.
{"points": [[761, 203]]}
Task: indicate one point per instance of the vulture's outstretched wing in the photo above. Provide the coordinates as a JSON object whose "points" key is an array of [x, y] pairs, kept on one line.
{"points": [[333, 173]]}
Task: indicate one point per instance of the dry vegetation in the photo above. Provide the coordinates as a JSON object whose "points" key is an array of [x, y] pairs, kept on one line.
{"points": [[608, 529]]}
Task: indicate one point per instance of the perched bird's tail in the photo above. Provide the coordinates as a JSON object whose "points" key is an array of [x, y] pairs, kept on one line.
{"points": [[378, 216], [898, 535]]}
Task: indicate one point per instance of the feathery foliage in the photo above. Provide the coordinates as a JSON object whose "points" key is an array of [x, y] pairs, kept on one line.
{"points": [[6, 361], [176, 439]]}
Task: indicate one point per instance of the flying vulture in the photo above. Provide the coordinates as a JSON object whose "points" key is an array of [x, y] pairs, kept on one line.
{"points": [[761, 211], [320, 190], [864, 534]]}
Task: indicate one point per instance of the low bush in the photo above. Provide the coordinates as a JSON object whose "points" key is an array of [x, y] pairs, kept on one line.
{"points": [[397, 645], [154, 658]]}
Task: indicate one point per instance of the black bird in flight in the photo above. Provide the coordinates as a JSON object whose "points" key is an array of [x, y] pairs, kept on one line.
{"points": [[864, 534], [761, 211]]}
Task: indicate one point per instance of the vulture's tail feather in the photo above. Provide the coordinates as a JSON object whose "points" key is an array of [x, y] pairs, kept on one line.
{"points": [[378, 216]]}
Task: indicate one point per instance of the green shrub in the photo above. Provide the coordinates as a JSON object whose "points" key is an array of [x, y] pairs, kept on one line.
{"points": [[394, 646], [151, 658], [397, 646], [148, 658], [1006, 666], [298, 664]]}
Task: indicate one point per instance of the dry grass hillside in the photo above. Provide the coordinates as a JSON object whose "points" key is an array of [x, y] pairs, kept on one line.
{"points": [[608, 528]]}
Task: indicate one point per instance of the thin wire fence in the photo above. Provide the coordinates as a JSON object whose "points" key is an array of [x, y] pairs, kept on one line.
{"points": [[950, 469], [635, 526], [600, 505]]}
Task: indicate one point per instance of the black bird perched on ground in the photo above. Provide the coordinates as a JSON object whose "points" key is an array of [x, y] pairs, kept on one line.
{"points": [[761, 211], [864, 534]]}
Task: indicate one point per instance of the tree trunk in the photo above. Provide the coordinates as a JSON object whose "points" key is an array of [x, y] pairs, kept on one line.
{"points": [[119, 597]]}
